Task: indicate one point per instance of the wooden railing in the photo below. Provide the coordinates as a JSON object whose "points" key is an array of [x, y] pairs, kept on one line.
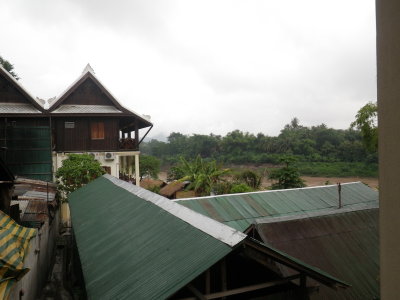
{"points": [[127, 144]]}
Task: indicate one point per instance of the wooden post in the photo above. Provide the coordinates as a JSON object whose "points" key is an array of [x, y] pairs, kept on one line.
{"points": [[196, 292], [208, 281], [137, 173], [303, 287], [223, 277], [136, 135]]}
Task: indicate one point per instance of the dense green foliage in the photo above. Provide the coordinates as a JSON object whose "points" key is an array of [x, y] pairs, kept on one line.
{"points": [[76, 171], [8, 67], [249, 178], [149, 166], [240, 188], [316, 144], [338, 169], [202, 174], [367, 122], [288, 176]]}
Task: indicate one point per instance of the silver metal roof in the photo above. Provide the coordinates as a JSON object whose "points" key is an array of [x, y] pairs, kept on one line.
{"points": [[18, 108], [86, 109]]}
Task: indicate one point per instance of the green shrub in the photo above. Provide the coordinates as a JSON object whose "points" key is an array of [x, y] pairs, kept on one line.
{"points": [[240, 188]]}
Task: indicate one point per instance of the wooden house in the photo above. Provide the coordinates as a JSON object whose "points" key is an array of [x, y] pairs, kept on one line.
{"points": [[24, 131], [85, 118]]}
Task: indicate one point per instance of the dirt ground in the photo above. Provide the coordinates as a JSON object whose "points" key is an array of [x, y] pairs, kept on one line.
{"points": [[315, 181]]}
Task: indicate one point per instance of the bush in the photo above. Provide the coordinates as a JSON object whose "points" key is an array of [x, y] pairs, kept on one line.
{"points": [[250, 178], [76, 171], [240, 188]]}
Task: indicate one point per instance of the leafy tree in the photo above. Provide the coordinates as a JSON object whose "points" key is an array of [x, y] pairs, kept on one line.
{"points": [[76, 171], [202, 175], [8, 67], [249, 178], [149, 166], [367, 122], [288, 176]]}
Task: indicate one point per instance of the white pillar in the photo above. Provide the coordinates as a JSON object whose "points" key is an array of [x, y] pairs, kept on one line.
{"points": [[137, 173], [130, 161], [124, 165], [117, 166]]}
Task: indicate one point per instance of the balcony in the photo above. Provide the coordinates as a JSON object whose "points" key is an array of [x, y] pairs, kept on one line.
{"points": [[128, 144]]}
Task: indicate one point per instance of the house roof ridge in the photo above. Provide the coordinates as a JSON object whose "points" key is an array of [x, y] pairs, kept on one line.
{"points": [[318, 213], [89, 70], [266, 191], [22, 89], [220, 231]]}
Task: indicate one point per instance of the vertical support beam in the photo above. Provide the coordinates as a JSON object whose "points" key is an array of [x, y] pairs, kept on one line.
{"points": [[130, 167], [303, 287], [136, 134], [224, 283], [5, 140], [51, 146], [208, 282], [137, 173], [388, 71], [124, 164], [117, 166]]}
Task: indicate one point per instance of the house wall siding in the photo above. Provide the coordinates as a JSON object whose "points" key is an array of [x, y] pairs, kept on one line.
{"points": [[9, 94], [88, 93], [79, 137]]}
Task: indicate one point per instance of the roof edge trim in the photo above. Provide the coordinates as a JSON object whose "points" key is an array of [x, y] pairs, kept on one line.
{"points": [[319, 213], [219, 231], [266, 191]]}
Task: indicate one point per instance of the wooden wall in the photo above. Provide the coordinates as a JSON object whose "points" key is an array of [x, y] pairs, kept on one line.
{"points": [[88, 93], [79, 138], [9, 93], [25, 121]]}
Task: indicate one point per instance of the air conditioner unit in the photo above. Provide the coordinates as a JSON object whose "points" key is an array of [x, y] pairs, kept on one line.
{"points": [[95, 155], [109, 156]]}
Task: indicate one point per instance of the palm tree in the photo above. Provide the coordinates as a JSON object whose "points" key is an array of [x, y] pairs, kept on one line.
{"points": [[202, 175]]}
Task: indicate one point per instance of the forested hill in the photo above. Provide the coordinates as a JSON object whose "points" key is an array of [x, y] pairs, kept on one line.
{"points": [[308, 144]]}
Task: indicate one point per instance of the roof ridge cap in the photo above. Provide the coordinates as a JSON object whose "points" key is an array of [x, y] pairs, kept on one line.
{"points": [[219, 231]]}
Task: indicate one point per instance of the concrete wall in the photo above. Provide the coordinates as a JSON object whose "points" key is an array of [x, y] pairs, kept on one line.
{"points": [[123, 161], [113, 164], [388, 58], [39, 260]]}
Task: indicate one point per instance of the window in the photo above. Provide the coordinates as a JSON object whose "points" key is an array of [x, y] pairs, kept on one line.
{"points": [[97, 130], [69, 125]]}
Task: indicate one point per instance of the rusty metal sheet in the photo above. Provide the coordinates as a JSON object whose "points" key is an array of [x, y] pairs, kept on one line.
{"points": [[345, 245]]}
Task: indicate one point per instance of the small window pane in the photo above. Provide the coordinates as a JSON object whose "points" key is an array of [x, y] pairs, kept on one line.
{"points": [[69, 124]]}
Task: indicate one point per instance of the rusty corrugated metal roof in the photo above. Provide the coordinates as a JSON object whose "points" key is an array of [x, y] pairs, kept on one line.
{"points": [[241, 210], [33, 198], [345, 245], [172, 188], [147, 183]]}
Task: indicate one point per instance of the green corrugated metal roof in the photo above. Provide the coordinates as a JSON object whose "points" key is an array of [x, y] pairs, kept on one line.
{"points": [[131, 248], [240, 210]]}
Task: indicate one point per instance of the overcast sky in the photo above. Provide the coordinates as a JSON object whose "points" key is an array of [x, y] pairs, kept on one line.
{"points": [[202, 66]]}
